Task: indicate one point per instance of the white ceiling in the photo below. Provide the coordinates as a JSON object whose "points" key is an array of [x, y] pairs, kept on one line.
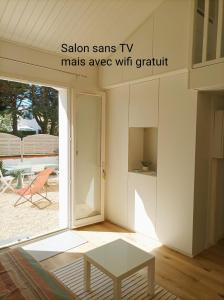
{"points": [[45, 24]]}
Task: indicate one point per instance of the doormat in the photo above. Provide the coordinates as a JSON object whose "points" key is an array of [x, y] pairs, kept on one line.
{"points": [[54, 245]]}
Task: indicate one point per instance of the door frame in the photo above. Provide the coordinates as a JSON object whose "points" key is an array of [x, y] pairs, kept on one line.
{"points": [[99, 218]]}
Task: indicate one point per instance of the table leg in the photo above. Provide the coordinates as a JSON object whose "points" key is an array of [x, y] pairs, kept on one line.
{"points": [[87, 274], [117, 289], [151, 277]]}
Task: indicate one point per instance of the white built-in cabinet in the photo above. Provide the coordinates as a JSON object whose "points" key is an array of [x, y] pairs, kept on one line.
{"points": [[165, 34], [143, 108], [160, 203]]}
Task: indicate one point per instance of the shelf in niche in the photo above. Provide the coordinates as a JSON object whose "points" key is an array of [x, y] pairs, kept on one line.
{"points": [[145, 173], [142, 147]]}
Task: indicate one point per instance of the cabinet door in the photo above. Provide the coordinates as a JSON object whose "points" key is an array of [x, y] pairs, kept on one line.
{"points": [[142, 40], [142, 203], [143, 109], [176, 162], [110, 75], [171, 34], [117, 155]]}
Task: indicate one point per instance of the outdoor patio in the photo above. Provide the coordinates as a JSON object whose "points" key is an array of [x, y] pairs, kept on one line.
{"points": [[26, 220]]}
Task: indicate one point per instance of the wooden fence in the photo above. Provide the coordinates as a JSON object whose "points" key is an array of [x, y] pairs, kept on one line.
{"points": [[38, 144], [10, 145]]}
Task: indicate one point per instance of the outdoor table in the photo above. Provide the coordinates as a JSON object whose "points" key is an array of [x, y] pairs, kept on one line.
{"points": [[33, 168]]}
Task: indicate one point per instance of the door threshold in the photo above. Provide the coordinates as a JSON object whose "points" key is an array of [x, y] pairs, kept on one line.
{"points": [[36, 238]]}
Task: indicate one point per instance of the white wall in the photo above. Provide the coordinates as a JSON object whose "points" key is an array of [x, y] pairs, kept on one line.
{"points": [[24, 63], [209, 176], [150, 146], [136, 148], [219, 202], [216, 201], [209, 77], [202, 171]]}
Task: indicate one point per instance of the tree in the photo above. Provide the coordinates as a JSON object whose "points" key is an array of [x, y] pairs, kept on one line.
{"points": [[12, 95], [28, 100], [45, 108], [5, 123]]}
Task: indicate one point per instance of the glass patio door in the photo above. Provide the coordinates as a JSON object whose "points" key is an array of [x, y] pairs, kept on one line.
{"points": [[89, 159]]}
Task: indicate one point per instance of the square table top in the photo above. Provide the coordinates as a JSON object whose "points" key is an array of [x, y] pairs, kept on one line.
{"points": [[119, 257], [32, 167]]}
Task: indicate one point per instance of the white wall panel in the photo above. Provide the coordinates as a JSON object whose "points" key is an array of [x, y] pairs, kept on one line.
{"points": [[176, 167], [143, 110], [171, 34], [117, 155]]}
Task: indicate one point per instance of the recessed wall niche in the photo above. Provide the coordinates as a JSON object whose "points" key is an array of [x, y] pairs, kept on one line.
{"points": [[142, 147]]}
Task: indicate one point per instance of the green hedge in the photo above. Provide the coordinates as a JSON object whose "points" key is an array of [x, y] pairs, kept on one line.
{"points": [[24, 133], [21, 133]]}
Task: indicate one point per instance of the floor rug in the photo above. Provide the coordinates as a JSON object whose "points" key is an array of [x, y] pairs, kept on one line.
{"points": [[134, 287], [54, 245]]}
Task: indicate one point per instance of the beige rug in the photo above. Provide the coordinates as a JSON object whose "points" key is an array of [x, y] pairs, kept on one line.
{"points": [[134, 287]]}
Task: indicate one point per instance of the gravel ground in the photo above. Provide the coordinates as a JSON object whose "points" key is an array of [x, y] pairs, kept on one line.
{"points": [[26, 220]]}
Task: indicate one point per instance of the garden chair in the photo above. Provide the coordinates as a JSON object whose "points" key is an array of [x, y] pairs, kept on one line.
{"points": [[5, 183], [35, 188]]}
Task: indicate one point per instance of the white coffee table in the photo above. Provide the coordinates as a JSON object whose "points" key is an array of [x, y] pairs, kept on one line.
{"points": [[119, 260]]}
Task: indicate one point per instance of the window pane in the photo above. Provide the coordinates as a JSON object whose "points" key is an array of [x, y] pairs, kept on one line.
{"points": [[212, 29], [199, 31], [222, 45]]}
